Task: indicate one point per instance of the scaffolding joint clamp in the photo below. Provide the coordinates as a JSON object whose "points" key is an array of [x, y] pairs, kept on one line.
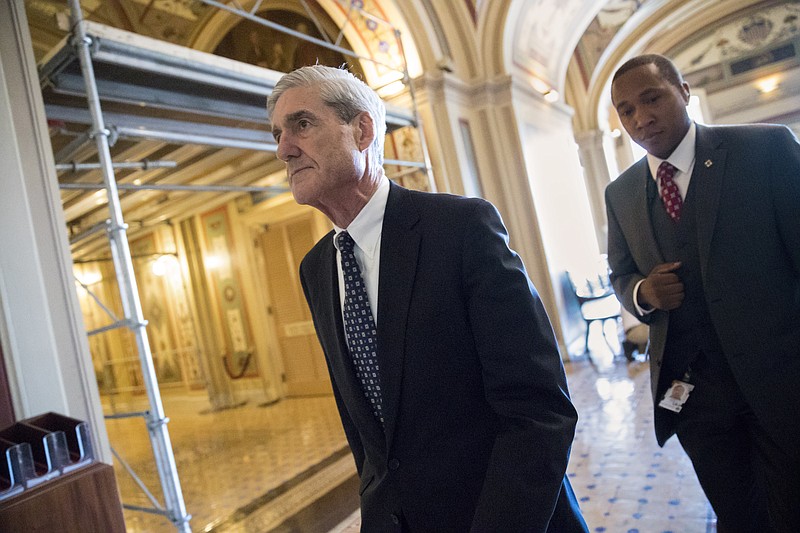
{"points": [[78, 40], [157, 423], [105, 132], [179, 520], [115, 227], [113, 136], [136, 324]]}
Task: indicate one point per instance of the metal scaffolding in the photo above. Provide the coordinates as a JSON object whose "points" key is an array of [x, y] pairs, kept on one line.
{"points": [[71, 70]]}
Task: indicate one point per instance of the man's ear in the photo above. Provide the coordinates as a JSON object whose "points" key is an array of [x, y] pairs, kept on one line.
{"points": [[685, 92], [364, 130]]}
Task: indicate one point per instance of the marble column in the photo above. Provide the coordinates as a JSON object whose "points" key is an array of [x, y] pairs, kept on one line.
{"points": [[595, 168]]}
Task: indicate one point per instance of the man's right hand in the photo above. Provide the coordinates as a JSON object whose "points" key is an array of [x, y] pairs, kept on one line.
{"points": [[662, 288]]}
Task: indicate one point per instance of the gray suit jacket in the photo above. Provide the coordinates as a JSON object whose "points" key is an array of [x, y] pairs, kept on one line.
{"points": [[747, 185]]}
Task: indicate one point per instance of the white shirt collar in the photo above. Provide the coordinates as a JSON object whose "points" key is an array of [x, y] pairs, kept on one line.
{"points": [[681, 158], [365, 229]]}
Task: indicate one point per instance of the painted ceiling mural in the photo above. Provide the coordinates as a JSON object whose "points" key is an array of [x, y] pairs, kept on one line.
{"points": [[364, 25], [700, 58], [169, 20], [541, 38], [754, 34], [601, 31], [250, 42]]}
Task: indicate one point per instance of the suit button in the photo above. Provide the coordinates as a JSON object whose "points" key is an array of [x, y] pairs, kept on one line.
{"points": [[394, 464], [395, 519]]}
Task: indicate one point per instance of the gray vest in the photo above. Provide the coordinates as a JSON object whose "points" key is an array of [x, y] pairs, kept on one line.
{"points": [[690, 331]]}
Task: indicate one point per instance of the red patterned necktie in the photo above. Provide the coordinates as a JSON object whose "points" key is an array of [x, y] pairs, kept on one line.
{"points": [[668, 190]]}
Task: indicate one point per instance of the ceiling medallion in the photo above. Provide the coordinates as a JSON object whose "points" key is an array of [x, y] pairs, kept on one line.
{"points": [[755, 31]]}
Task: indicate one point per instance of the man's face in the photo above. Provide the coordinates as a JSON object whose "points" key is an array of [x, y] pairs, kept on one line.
{"points": [[322, 156], [652, 110]]}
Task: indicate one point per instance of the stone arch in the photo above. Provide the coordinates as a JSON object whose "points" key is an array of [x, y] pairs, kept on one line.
{"points": [[653, 29], [538, 37], [493, 20], [425, 29], [368, 36]]}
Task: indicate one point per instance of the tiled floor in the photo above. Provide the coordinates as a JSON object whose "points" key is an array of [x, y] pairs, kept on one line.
{"points": [[624, 481], [247, 469], [229, 459]]}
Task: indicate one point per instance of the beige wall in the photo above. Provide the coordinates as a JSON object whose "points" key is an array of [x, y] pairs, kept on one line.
{"points": [[45, 348]]}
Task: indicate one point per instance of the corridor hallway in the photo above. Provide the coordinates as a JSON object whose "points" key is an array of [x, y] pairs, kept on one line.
{"points": [[286, 467]]}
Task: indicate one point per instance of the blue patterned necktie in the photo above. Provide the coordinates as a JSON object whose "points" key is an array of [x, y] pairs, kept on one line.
{"points": [[362, 335]]}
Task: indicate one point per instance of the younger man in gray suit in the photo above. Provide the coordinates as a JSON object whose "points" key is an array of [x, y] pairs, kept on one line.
{"points": [[704, 246]]}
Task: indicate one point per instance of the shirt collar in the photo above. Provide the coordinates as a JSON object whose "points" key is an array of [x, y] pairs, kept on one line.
{"points": [[365, 229], [682, 157]]}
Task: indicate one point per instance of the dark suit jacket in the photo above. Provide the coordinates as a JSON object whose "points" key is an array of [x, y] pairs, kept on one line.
{"points": [[746, 182], [478, 420]]}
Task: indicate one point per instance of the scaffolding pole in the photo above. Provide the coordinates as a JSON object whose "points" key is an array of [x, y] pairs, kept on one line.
{"points": [[155, 419]]}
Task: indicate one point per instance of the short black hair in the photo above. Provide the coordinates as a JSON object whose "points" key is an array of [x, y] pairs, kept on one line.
{"points": [[666, 68]]}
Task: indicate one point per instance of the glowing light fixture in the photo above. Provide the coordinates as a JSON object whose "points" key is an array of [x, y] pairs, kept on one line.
{"points": [[86, 275], [391, 89], [164, 265], [768, 84], [551, 96], [540, 86], [213, 261]]}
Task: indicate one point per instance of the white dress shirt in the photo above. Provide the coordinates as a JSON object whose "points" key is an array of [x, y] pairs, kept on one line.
{"points": [[682, 158], [365, 230]]}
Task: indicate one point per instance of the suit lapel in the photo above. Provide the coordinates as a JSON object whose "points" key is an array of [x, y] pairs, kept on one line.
{"points": [[708, 179], [640, 219], [398, 264]]}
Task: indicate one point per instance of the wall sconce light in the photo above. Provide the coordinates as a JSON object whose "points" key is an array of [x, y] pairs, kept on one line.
{"points": [[767, 85], [166, 264], [551, 96], [87, 276], [539, 85], [391, 89], [212, 262]]}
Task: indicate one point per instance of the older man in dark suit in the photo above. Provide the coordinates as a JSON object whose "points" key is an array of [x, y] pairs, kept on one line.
{"points": [[444, 367], [704, 246]]}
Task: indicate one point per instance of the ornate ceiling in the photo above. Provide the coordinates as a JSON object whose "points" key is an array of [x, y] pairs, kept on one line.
{"points": [[747, 34], [359, 25], [591, 36]]}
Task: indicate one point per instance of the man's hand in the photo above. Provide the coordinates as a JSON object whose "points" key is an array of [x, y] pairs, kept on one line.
{"points": [[662, 288]]}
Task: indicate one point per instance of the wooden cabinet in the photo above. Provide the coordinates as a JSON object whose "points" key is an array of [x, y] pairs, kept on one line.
{"points": [[85, 500], [51, 482]]}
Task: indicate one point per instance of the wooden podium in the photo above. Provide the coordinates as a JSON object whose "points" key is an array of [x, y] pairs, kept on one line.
{"points": [[50, 480]]}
